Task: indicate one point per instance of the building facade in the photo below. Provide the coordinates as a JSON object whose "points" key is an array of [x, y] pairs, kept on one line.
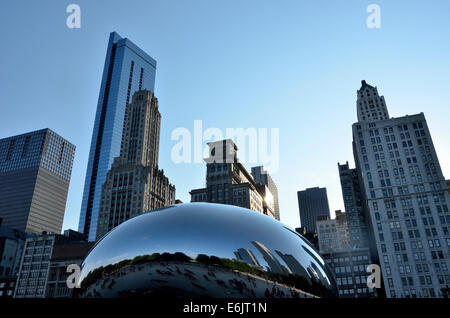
{"points": [[35, 170], [355, 207], [127, 69], [350, 270], [7, 286], [63, 255], [407, 198], [348, 263], [312, 203], [333, 234], [267, 200], [260, 175], [134, 184], [11, 250], [34, 269], [229, 182]]}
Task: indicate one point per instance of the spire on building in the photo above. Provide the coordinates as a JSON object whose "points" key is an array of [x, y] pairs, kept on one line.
{"points": [[370, 105], [364, 85]]}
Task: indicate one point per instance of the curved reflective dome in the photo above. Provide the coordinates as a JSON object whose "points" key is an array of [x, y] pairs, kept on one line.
{"points": [[204, 250]]}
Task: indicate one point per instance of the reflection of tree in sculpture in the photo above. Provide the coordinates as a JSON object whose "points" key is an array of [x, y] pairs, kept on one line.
{"points": [[102, 272], [106, 273]]}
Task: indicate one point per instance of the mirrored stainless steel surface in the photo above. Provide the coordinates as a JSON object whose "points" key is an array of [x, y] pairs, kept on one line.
{"points": [[204, 249]]}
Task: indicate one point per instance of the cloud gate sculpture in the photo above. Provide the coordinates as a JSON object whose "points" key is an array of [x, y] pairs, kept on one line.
{"points": [[204, 250]]}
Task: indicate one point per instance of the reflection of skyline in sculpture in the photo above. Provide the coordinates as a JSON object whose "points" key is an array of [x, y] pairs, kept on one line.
{"points": [[294, 266], [207, 276], [318, 273], [245, 255], [323, 273], [273, 264], [154, 244]]}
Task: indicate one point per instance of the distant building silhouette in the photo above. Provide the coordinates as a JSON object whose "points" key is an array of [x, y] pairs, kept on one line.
{"points": [[312, 203]]}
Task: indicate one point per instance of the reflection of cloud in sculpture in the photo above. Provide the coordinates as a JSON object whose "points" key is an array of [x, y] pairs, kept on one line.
{"points": [[295, 267], [274, 265], [245, 255]]}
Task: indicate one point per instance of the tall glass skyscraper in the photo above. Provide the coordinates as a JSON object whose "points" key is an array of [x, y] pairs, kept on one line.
{"points": [[127, 69]]}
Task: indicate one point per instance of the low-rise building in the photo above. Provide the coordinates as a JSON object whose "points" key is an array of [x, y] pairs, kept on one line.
{"points": [[11, 248], [63, 256], [35, 264]]}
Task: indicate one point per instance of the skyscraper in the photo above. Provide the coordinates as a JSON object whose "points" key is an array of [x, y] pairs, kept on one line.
{"points": [[407, 198], [312, 203], [263, 177], [134, 184], [35, 170], [127, 69]]}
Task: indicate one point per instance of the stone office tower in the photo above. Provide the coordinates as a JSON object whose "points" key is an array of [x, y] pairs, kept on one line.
{"points": [[229, 182], [134, 184], [407, 198], [35, 170]]}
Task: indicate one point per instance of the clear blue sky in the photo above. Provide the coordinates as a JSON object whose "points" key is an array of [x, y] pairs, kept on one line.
{"points": [[293, 65]]}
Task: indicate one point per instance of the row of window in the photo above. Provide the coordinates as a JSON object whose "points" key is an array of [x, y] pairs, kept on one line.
{"points": [[32, 243], [342, 281], [348, 268]]}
